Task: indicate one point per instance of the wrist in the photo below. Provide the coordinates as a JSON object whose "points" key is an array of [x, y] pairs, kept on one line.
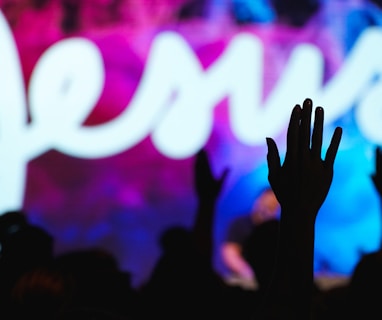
{"points": [[206, 201], [298, 215]]}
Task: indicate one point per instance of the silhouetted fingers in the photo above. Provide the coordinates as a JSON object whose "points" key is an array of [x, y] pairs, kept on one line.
{"points": [[223, 176], [305, 125], [273, 157], [333, 147], [202, 156], [317, 132], [202, 161], [293, 133]]}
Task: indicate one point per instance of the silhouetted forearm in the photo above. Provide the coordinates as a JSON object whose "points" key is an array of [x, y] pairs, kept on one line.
{"points": [[203, 227], [290, 292]]}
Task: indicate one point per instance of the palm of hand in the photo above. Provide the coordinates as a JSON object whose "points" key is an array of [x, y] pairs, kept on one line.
{"points": [[302, 183]]}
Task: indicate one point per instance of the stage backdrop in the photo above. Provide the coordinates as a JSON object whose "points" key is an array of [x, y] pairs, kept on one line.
{"points": [[103, 106]]}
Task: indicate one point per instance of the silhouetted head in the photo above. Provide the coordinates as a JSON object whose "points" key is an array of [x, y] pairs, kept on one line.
{"points": [[365, 286], [265, 207], [83, 260], [40, 294], [175, 239], [101, 287], [11, 222], [29, 245]]}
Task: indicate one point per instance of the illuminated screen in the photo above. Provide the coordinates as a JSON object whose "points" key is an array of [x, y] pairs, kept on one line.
{"points": [[103, 105]]}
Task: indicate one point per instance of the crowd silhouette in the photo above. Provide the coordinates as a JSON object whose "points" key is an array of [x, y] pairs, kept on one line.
{"points": [[89, 284]]}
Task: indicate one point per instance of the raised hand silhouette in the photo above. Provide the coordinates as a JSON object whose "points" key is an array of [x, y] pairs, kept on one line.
{"points": [[208, 189], [301, 185], [184, 276], [207, 186]]}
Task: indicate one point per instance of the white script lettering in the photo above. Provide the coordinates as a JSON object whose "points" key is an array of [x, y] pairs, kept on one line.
{"points": [[174, 101]]}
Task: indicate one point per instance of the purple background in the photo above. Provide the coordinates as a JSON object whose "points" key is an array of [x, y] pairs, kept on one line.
{"points": [[124, 202]]}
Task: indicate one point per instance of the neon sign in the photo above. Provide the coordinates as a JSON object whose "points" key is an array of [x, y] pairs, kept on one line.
{"points": [[175, 95]]}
